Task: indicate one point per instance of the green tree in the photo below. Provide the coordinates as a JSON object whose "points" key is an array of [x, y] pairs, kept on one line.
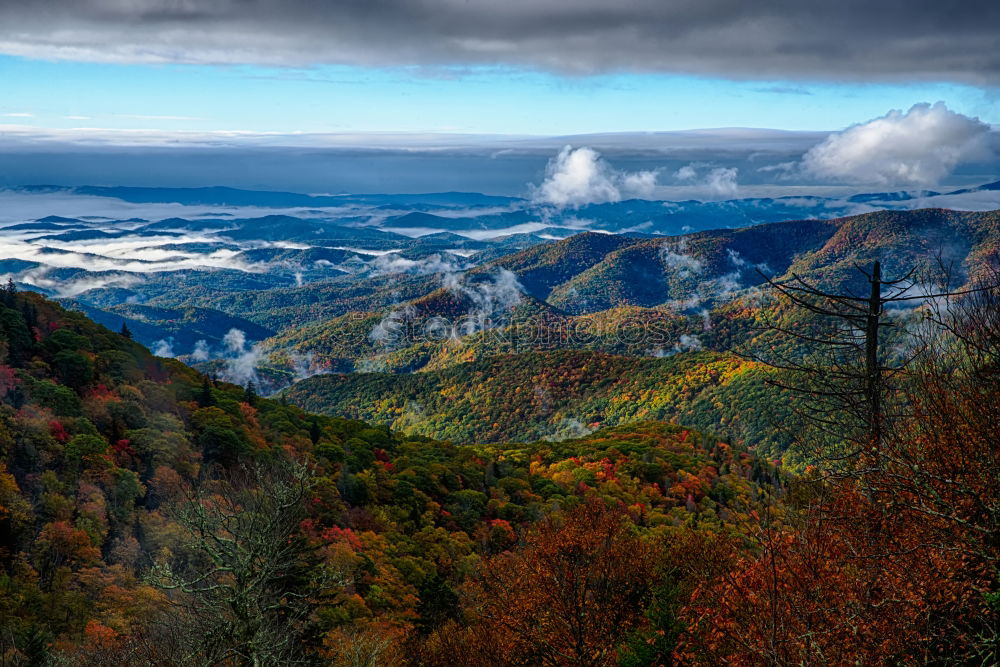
{"points": [[75, 370], [205, 398], [9, 296], [250, 393]]}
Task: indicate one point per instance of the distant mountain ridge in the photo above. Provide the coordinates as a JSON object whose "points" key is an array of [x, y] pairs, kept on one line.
{"points": [[224, 196], [316, 283], [632, 299]]}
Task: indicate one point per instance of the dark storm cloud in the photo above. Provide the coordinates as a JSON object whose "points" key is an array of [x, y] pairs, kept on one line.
{"points": [[783, 39]]}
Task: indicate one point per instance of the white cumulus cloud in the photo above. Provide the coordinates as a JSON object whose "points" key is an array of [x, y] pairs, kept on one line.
{"points": [[722, 181], [164, 348], [918, 147], [686, 173], [579, 176], [718, 182], [200, 351]]}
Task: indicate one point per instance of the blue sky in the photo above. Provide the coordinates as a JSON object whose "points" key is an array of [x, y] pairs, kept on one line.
{"points": [[398, 95], [479, 100]]}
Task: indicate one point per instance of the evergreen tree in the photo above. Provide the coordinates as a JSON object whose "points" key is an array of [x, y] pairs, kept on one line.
{"points": [[438, 604], [314, 430], [125, 331], [10, 294], [205, 396], [30, 314], [250, 393]]}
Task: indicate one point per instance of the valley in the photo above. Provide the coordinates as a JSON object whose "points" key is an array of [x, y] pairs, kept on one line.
{"points": [[347, 311]]}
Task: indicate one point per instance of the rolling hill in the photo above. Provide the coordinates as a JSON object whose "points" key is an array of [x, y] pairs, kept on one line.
{"points": [[639, 315]]}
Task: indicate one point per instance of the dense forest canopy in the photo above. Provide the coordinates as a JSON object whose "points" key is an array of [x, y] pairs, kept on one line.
{"points": [[150, 514]]}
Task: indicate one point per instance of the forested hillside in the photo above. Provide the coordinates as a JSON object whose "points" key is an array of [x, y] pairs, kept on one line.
{"points": [[562, 394], [447, 364], [149, 515], [471, 333], [134, 489]]}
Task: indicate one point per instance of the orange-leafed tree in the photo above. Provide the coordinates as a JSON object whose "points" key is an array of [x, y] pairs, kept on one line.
{"points": [[568, 596], [847, 584], [898, 563]]}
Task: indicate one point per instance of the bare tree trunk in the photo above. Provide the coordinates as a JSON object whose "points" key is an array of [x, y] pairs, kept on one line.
{"points": [[873, 369]]}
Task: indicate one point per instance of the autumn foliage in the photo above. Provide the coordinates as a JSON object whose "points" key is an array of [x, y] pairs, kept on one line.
{"points": [[568, 596], [149, 515]]}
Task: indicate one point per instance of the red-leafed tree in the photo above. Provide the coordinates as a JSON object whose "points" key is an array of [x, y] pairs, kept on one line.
{"points": [[568, 596]]}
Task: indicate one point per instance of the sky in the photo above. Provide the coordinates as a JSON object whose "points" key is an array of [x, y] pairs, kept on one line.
{"points": [[247, 98], [287, 90]]}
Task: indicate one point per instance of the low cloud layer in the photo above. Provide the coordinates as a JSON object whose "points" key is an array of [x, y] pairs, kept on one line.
{"points": [[579, 176], [716, 182], [391, 263], [853, 40], [675, 257], [410, 162], [488, 304], [103, 242], [919, 147], [241, 361]]}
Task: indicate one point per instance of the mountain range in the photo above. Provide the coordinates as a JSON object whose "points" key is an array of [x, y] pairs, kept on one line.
{"points": [[377, 306]]}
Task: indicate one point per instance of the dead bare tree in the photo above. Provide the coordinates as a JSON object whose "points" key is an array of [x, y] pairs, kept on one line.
{"points": [[910, 398], [839, 363], [246, 584]]}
